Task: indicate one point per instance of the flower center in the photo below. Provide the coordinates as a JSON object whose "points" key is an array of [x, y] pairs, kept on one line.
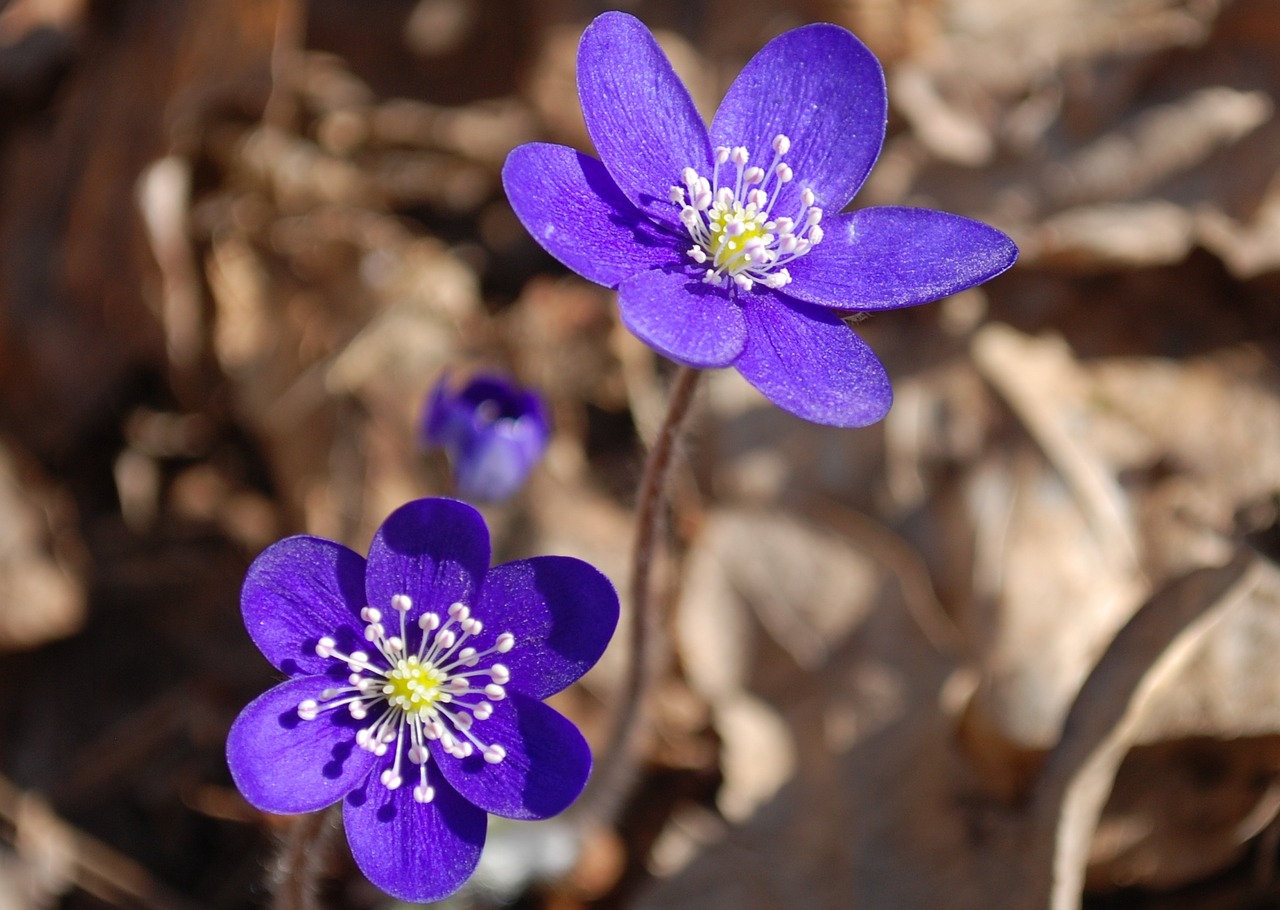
{"points": [[435, 694], [735, 237]]}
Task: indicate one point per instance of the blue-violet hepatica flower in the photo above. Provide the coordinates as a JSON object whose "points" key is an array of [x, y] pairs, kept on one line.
{"points": [[416, 680], [725, 244], [493, 430]]}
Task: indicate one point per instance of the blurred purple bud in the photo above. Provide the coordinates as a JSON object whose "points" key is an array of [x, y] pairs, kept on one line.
{"points": [[493, 430]]}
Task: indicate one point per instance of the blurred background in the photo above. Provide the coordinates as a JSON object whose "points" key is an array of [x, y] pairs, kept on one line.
{"points": [[1026, 624]]}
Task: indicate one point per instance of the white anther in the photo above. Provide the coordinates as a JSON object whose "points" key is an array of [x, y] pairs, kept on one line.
{"points": [[815, 235], [787, 243], [500, 674], [428, 621], [371, 614], [495, 691], [395, 643], [325, 646], [433, 730], [467, 657], [722, 154], [703, 201], [739, 155], [373, 631], [676, 195], [807, 197], [785, 225], [689, 216], [483, 711], [711, 278], [689, 176], [813, 217], [401, 602], [781, 144], [494, 754], [753, 175], [758, 198], [778, 279], [743, 282], [423, 794], [783, 172], [445, 638], [390, 779], [472, 626], [458, 610], [419, 755], [328, 694], [308, 709], [506, 641], [724, 198], [463, 721], [698, 256], [735, 229]]}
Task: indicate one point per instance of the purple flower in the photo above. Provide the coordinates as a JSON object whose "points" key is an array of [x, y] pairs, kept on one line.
{"points": [[415, 688], [717, 241], [494, 431]]}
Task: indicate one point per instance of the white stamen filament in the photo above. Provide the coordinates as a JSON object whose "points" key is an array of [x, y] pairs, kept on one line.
{"points": [[421, 695], [735, 240]]}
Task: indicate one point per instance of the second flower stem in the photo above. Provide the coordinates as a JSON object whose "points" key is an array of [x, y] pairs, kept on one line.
{"points": [[648, 617]]}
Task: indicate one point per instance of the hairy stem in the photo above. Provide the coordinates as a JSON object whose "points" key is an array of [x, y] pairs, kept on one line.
{"points": [[617, 766], [303, 859]]}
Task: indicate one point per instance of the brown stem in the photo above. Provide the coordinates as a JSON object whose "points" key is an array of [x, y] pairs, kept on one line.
{"points": [[302, 861], [617, 765]]}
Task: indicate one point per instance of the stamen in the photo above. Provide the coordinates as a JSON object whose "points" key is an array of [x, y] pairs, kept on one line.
{"points": [[733, 235], [417, 694]]}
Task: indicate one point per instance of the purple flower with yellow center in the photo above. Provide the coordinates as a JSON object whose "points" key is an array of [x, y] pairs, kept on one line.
{"points": [[415, 690], [723, 244], [493, 430]]}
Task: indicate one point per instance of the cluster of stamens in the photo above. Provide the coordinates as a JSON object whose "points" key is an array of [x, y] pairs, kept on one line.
{"points": [[435, 694], [734, 235]]}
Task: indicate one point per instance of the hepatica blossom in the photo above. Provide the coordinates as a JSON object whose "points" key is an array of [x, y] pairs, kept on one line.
{"points": [[416, 680], [726, 245], [493, 430]]}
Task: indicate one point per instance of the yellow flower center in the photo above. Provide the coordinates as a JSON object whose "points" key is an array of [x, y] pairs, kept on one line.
{"points": [[412, 685], [731, 230]]}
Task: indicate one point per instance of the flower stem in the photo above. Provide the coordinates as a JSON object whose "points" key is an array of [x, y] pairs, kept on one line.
{"points": [[617, 766], [303, 858]]}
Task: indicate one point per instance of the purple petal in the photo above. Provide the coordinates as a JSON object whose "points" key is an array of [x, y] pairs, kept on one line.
{"points": [[434, 550], [546, 765], [414, 851], [819, 86], [885, 257], [297, 590], [571, 206], [639, 114], [284, 764], [808, 362], [562, 613], [683, 318]]}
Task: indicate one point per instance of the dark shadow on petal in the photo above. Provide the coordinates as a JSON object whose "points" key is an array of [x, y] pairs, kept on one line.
{"points": [[341, 752], [360, 795], [644, 232]]}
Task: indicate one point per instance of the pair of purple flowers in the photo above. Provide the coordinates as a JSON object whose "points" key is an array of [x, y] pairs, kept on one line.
{"points": [[416, 676]]}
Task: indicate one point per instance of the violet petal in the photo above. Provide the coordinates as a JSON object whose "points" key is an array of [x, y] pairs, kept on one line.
{"points": [[821, 88], [284, 764], [414, 851], [639, 114], [436, 551], [807, 361], [572, 207], [683, 318], [562, 612], [297, 590], [546, 765], [878, 258]]}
